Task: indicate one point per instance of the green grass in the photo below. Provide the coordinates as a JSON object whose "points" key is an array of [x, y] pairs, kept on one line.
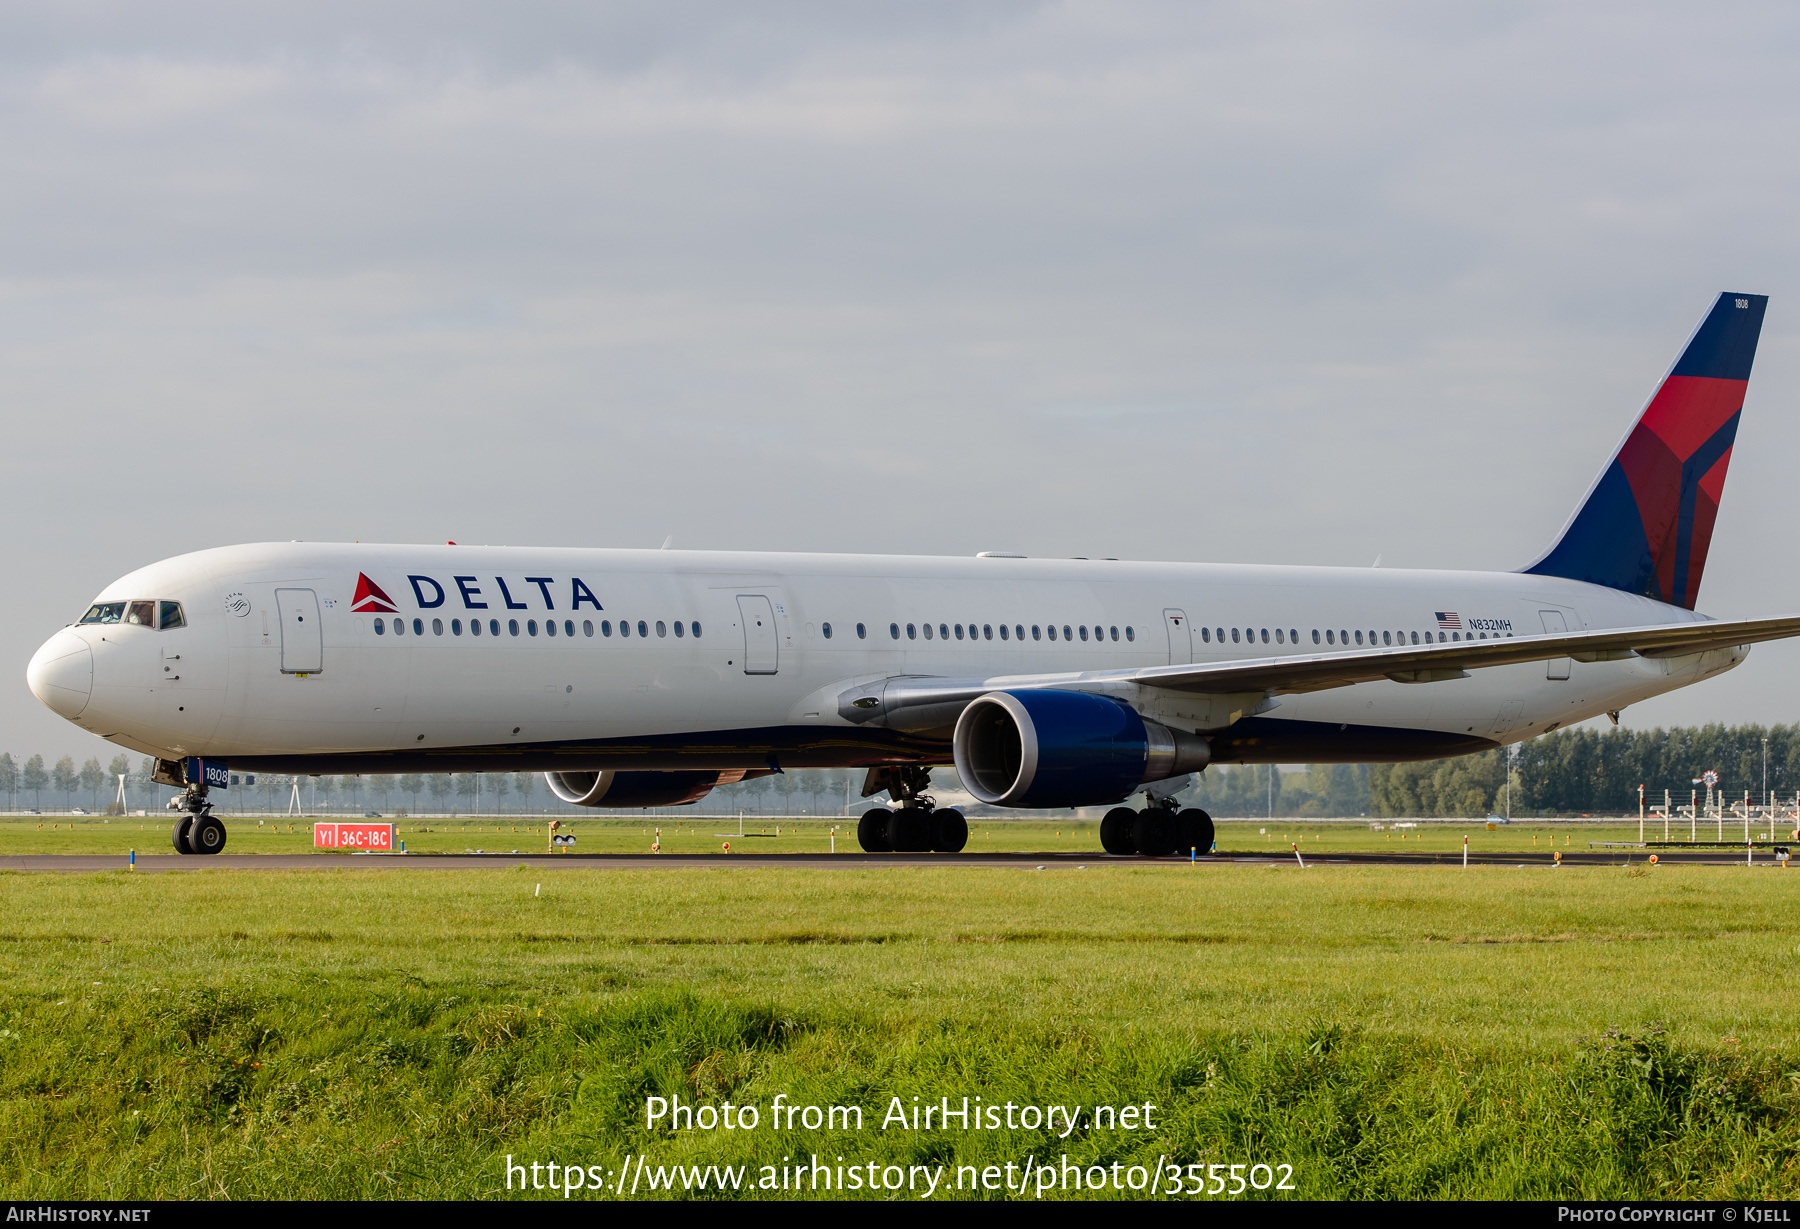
{"points": [[54, 834], [1389, 1032]]}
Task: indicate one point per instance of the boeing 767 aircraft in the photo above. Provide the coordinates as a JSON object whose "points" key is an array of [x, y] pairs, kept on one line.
{"points": [[639, 678]]}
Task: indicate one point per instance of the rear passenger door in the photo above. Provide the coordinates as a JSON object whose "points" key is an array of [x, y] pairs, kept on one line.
{"points": [[1556, 625]]}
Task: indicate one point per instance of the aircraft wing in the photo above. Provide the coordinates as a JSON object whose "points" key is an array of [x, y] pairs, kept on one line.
{"points": [[1430, 663], [1319, 671]]}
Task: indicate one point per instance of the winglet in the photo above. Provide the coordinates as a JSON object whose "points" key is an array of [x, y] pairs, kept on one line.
{"points": [[1647, 522]]}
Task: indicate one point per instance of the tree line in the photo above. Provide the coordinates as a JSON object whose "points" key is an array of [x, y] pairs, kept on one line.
{"points": [[63, 778], [1568, 772], [1596, 772], [821, 792]]}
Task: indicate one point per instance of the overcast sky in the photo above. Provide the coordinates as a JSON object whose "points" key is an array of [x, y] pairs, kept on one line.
{"points": [[1260, 282]]}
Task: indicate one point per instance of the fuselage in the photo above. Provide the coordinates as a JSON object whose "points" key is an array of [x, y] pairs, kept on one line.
{"points": [[374, 658]]}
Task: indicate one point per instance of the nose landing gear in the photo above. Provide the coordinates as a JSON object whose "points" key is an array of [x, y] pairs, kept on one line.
{"points": [[197, 829], [916, 825]]}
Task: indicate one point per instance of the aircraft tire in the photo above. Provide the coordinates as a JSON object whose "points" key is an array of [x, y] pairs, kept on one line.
{"points": [[909, 830], [1116, 835], [1154, 832], [949, 830], [1193, 830], [207, 835], [180, 835], [872, 830]]}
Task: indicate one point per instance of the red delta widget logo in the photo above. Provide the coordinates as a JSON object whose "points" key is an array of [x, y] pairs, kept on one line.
{"points": [[371, 598], [430, 594]]}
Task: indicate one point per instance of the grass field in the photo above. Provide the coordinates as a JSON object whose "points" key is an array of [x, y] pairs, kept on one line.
{"points": [[61, 834], [1386, 1031]]}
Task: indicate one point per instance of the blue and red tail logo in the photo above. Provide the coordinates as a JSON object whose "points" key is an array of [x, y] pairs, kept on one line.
{"points": [[369, 598], [1646, 525]]}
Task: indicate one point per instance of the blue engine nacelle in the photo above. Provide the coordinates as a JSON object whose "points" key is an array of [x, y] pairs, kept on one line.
{"points": [[1065, 749], [633, 789]]}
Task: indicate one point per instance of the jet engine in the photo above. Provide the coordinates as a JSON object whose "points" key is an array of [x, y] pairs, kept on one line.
{"points": [[1065, 749], [636, 789]]}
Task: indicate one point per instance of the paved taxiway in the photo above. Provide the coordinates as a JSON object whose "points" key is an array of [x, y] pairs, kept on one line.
{"points": [[157, 863]]}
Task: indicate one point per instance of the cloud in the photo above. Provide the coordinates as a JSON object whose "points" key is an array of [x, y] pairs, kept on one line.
{"points": [[133, 95], [1283, 282]]}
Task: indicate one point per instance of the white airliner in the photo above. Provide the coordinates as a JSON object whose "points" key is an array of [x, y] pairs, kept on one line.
{"points": [[636, 678]]}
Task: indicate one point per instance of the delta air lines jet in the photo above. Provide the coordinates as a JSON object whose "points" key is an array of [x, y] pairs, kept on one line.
{"points": [[646, 678]]}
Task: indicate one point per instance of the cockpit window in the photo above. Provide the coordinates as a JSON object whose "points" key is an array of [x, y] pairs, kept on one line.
{"points": [[144, 614]]}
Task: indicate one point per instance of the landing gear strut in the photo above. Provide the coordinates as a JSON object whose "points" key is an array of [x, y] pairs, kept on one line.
{"points": [[915, 825], [197, 829]]}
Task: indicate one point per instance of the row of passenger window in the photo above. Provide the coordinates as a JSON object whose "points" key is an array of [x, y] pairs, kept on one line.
{"points": [[1292, 636], [943, 631], [530, 627], [985, 631]]}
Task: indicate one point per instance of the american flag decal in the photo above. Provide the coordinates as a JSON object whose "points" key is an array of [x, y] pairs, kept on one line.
{"points": [[1449, 620]]}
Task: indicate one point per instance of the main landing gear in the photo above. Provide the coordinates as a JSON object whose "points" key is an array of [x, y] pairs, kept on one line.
{"points": [[197, 829], [1156, 831], [916, 825]]}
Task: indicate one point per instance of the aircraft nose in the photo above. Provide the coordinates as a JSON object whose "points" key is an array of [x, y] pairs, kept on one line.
{"points": [[61, 674]]}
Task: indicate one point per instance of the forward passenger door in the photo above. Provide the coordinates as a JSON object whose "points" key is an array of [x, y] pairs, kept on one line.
{"points": [[302, 633]]}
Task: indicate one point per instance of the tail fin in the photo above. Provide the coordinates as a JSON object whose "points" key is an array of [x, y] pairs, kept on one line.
{"points": [[1648, 519]]}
